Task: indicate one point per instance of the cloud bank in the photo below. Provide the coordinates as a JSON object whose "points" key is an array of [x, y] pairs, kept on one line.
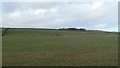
{"points": [[91, 15]]}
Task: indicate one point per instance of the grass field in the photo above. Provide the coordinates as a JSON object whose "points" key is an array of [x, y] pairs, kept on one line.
{"points": [[0, 47], [32, 47]]}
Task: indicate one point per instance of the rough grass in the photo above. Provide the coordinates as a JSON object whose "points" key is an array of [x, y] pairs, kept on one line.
{"points": [[0, 47], [30, 47]]}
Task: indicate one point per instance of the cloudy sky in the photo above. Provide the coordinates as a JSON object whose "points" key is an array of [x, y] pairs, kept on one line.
{"points": [[99, 15]]}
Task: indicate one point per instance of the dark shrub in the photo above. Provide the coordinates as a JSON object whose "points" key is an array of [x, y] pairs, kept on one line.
{"points": [[71, 28], [82, 29]]}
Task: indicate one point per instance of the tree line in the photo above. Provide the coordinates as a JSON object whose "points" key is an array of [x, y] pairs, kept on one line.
{"points": [[80, 29]]}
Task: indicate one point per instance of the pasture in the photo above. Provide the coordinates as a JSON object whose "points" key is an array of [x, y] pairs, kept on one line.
{"points": [[37, 47]]}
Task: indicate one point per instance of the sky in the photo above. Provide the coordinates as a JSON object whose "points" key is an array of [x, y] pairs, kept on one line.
{"points": [[95, 15]]}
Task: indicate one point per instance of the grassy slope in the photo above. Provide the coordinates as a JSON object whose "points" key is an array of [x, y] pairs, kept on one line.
{"points": [[59, 48], [0, 47]]}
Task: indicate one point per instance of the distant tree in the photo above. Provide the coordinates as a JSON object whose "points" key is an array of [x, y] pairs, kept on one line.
{"points": [[82, 29], [71, 28]]}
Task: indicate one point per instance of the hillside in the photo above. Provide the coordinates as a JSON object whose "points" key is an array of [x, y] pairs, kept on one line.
{"points": [[36, 47]]}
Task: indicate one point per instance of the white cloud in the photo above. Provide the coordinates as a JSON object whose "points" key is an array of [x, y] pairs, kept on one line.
{"points": [[15, 15], [59, 0], [54, 10], [101, 26], [63, 15], [40, 11], [96, 5]]}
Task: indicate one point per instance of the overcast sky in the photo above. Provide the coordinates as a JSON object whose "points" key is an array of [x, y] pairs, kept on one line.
{"points": [[99, 15]]}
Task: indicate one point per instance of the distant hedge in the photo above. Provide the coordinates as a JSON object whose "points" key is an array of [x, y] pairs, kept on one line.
{"points": [[4, 31], [81, 29]]}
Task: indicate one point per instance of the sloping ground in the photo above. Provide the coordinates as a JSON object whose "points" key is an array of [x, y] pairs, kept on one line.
{"points": [[0, 47], [0, 31], [31, 47]]}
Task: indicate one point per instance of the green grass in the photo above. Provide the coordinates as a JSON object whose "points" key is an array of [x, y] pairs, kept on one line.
{"points": [[0, 47], [30, 47]]}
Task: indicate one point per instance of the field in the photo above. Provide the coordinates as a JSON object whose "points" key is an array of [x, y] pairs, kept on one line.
{"points": [[34, 47], [0, 47]]}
